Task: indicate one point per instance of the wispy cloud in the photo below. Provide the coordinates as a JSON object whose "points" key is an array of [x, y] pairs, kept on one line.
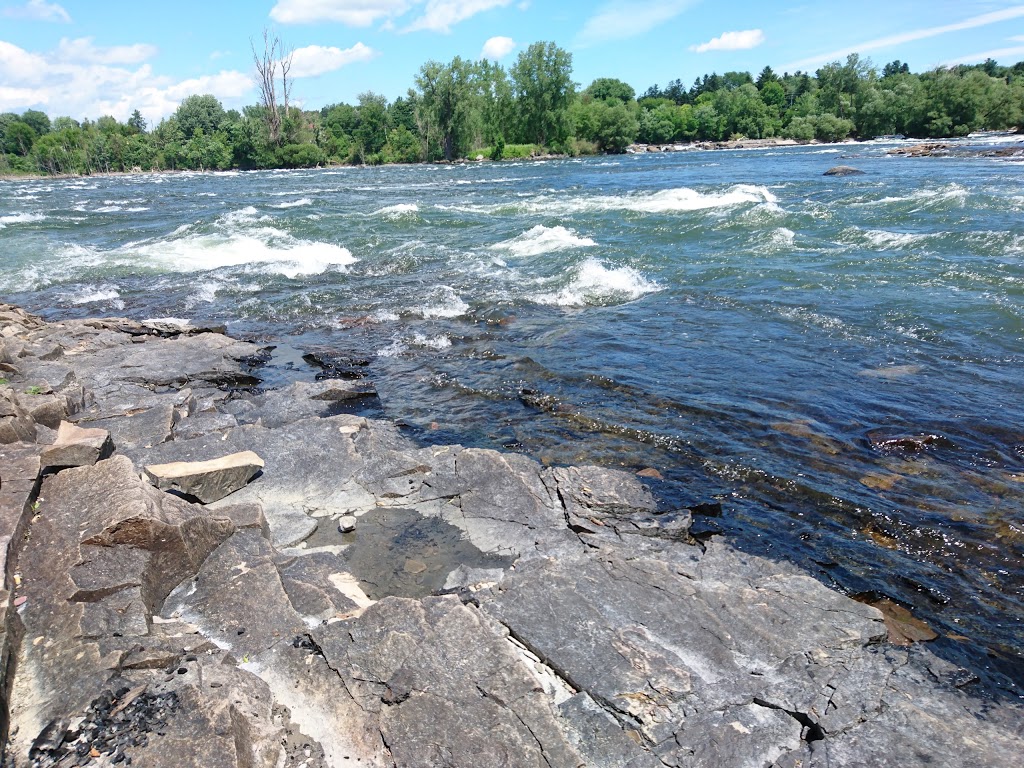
{"points": [[354, 13], [908, 37], [442, 15], [731, 41], [39, 10], [1014, 53], [316, 60], [623, 19], [497, 48]]}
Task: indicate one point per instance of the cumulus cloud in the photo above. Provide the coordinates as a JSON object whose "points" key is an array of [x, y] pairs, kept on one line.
{"points": [[81, 49], [442, 15], [86, 81], [731, 41], [497, 48], [39, 10], [623, 19], [316, 60], [354, 13]]}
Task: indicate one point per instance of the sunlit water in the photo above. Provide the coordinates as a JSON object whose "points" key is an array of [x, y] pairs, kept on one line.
{"points": [[763, 336]]}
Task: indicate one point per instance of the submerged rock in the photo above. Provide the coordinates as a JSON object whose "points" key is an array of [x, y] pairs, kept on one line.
{"points": [[843, 170]]}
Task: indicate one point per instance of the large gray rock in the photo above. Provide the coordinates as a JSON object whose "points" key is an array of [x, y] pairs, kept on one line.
{"points": [[210, 480]]}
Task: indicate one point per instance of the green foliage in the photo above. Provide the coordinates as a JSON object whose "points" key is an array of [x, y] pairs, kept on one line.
{"points": [[498, 150], [610, 88], [197, 113], [543, 87], [301, 156], [464, 109], [35, 389]]}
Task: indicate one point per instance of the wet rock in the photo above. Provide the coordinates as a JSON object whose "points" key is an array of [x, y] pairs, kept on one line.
{"points": [[77, 447], [843, 170], [207, 481]]}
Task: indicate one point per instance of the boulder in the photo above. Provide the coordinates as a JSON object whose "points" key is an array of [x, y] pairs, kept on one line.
{"points": [[843, 170], [77, 447], [207, 481]]}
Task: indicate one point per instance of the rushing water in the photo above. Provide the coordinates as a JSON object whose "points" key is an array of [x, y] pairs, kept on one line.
{"points": [[838, 361]]}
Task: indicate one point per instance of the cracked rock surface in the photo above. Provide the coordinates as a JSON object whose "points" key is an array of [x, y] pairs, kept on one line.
{"points": [[481, 610]]}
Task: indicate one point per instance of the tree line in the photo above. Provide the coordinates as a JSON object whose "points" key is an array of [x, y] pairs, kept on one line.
{"points": [[469, 108]]}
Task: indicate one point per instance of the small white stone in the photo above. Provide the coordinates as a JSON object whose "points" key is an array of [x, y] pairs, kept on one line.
{"points": [[347, 523]]}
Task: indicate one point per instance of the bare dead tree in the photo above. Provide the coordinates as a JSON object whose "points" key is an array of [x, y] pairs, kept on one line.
{"points": [[286, 67], [266, 81]]}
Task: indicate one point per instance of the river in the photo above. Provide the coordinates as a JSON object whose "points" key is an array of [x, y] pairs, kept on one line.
{"points": [[837, 362]]}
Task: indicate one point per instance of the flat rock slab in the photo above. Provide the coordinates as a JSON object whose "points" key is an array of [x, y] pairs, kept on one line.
{"points": [[210, 480], [77, 447]]}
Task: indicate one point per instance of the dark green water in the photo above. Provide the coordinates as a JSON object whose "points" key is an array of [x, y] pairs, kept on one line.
{"points": [[838, 361]]}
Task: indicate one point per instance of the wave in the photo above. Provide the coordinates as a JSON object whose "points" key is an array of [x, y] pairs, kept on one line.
{"points": [[236, 239], [293, 203], [91, 294], [397, 211], [677, 200], [595, 284], [446, 304], [543, 239], [881, 238], [20, 218], [928, 198]]}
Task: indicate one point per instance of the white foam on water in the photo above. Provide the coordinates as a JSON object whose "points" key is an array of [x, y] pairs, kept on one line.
{"points": [[929, 197], [543, 239], [394, 349], [827, 152], [432, 342], [92, 293], [238, 239], [108, 209], [288, 256], [881, 238], [594, 283], [677, 200], [446, 304], [293, 203], [20, 218], [397, 211]]}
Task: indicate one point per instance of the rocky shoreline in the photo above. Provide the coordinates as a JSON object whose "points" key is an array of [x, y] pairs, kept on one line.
{"points": [[311, 588]]}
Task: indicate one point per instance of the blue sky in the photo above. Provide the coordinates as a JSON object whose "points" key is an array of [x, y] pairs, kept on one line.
{"points": [[86, 58]]}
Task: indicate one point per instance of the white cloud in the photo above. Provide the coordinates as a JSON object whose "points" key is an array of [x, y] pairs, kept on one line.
{"points": [[497, 48], [354, 13], [82, 50], [38, 10], [1007, 55], [732, 41], [442, 15], [316, 60], [91, 87], [622, 19], [908, 37]]}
